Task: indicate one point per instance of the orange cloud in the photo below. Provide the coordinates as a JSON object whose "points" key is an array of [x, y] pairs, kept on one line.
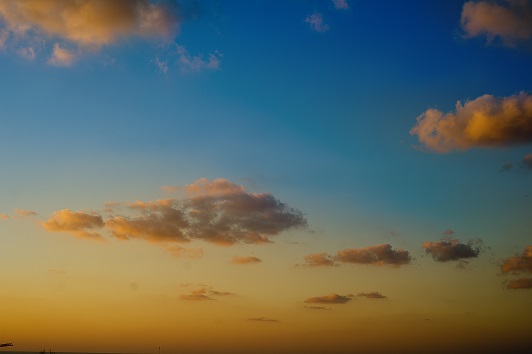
{"points": [[246, 260], [511, 23], [523, 283], [61, 56], [201, 294], [487, 121], [519, 263], [328, 299], [317, 308], [373, 295], [319, 259], [527, 161], [23, 213], [90, 23], [77, 223], [4, 216], [451, 249], [374, 255]]}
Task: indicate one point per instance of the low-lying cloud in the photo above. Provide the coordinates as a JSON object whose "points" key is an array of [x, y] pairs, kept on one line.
{"points": [[518, 263], [451, 249], [523, 283], [378, 255], [216, 211], [246, 260], [319, 259], [328, 299], [484, 122], [372, 295], [510, 22]]}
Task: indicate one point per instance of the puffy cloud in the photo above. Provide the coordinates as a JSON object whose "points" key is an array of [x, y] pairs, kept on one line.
{"points": [[217, 211], [487, 121], [519, 263], [451, 249], [527, 161], [319, 259], [511, 22], [196, 63], [77, 223], [90, 23], [523, 283], [316, 22], [262, 319], [373, 295], [246, 260], [374, 255], [179, 252], [328, 299], [340, 4], [23, 213], [61, 56], [158, 221]]}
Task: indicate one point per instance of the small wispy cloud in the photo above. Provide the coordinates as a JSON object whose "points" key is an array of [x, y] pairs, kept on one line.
{"points": [[341, 4], [204, 294], [372, 295], [523, 283], [182, 252], [246, 260], [518, 263], [23, 213], [262, 319], [316, 23], [319, 259], [328, 299], [77, 223], [197, 63], [378, 255], [61, 56]]}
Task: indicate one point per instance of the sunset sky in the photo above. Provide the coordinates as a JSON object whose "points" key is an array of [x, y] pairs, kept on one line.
{"points": [[303, 176]]}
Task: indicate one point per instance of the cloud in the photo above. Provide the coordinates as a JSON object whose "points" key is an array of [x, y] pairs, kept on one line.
{"points": [[373, 295], [77, 223], [246, 260], [27, 53], [316, 22], [162, 65], [328, 299], [511, 23], [487, 121], [196, 295], [451, 249], [61, 56], [216, 211], [262, 319], [317, 308], [319, 259], [23, 213], [374, 255], [519, 263], [4, 216], [4, 35], [90, 23], [448, 232], [196, 63], [180, 252], [523, 283], [527, 161], [340, 4]]}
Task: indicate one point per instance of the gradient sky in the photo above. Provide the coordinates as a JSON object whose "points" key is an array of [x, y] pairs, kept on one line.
{"points": [[333, 176]]}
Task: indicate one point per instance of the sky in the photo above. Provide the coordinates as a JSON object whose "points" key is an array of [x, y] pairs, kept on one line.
{"points": [[304, 176]]}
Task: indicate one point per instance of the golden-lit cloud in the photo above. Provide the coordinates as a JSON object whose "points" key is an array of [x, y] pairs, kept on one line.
{"points": [[182, 252], [77, 223], [375, 255], [319, 259], [328, 299], [523, 283], [204, 294], [90, 23], [316, 307], [246, 260], [4, 216], [487, 121], [23, 213], [519, 263], [511, 21], [372, 295], [451, 249]]}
